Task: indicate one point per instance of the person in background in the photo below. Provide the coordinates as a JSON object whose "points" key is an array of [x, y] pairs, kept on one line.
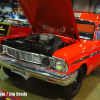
{"points": [[12, 14], [0, 12], [98, 34], [7, 13]]}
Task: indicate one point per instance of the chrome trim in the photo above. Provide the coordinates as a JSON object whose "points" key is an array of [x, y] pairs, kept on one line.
{"points": [[85, 58], [35, 56], [9, 49], [33, 70]]}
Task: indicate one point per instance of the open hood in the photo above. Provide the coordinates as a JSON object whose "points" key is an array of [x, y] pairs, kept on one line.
{"points": [[51, 16]]}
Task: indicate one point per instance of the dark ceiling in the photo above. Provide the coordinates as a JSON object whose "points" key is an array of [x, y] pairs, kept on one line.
{"points": [[8, 1]]}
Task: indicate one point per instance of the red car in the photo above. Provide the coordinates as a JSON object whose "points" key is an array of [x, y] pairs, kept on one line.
{"points": [[11, 28], [62, 50]]}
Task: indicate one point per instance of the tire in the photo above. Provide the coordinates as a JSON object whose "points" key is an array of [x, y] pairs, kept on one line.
{"points": [[71, 90], [10, 73]]}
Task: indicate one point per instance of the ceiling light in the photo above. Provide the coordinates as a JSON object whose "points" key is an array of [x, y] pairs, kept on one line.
{"points": [[10, 0]]}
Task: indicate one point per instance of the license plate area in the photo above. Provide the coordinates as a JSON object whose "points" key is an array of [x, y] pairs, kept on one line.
{"points": [[19, 71]]}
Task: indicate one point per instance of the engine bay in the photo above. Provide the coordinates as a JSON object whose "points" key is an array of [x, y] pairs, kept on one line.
{"points": [[45, 44]]}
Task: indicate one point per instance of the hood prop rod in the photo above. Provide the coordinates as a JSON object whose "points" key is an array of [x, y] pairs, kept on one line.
{"points": [[74, 37]]}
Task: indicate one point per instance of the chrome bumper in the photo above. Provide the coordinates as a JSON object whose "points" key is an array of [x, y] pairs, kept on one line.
{"points": [[32, 70]]}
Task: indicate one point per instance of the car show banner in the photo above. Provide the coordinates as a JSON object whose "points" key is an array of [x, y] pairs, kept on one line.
{"points": [[96, 8]]}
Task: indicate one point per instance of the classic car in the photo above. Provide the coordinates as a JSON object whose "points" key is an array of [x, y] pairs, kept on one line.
{"points": [[62, 49], [11, 28]]}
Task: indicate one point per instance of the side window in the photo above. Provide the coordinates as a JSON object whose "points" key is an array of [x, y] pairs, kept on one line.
{"points": [[98, 33]]}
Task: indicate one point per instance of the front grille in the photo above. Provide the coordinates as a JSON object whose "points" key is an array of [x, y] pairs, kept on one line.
{"points": [[17, 54], [44, 61], [9, 51], [29, 56], [13, 52], [23, 55]]}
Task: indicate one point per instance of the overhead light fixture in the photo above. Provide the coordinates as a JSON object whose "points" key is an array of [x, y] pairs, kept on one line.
{"points": [[10, 0]]}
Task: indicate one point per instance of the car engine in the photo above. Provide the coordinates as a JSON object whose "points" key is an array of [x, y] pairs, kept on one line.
{"points": [[45, 44]]}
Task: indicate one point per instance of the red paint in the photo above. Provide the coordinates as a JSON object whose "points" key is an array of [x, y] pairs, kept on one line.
{"points": [[90, 17], [17, 31], [83, 12], [40, 12], [55, 15], [82, 49]]}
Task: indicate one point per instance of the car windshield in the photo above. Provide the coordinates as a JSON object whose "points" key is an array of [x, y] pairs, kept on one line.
{"points": [[85, 29]]}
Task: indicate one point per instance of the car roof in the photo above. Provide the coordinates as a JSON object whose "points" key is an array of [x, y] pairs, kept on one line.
{"points": [[95, 18]]}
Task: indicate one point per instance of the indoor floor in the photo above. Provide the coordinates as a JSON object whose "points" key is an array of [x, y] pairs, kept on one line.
{"points": [[39, 90]]}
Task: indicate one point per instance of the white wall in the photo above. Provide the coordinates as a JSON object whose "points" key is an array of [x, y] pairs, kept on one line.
{"points": [[81, 5], [84, 5], [77, 14], [8, 7]]}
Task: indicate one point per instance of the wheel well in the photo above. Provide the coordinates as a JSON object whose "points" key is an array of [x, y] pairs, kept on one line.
{"points": [[84, 68]]}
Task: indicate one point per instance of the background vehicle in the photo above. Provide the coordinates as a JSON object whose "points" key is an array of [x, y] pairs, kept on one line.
{"points": [[62, 50], [11, 28]]}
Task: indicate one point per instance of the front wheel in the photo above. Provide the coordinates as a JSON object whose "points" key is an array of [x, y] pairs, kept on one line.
{"points": [[71, 90]]}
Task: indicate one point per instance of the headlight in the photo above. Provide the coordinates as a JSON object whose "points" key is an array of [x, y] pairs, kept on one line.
{"points": [[61, 66], [55, 63], [46, 62]]}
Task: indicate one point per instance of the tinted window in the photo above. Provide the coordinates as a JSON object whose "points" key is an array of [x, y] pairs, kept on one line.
{"points": [[85, 29]]}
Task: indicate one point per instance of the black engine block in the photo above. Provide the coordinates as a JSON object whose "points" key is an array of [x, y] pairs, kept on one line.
{"points": [[45, 44]]}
